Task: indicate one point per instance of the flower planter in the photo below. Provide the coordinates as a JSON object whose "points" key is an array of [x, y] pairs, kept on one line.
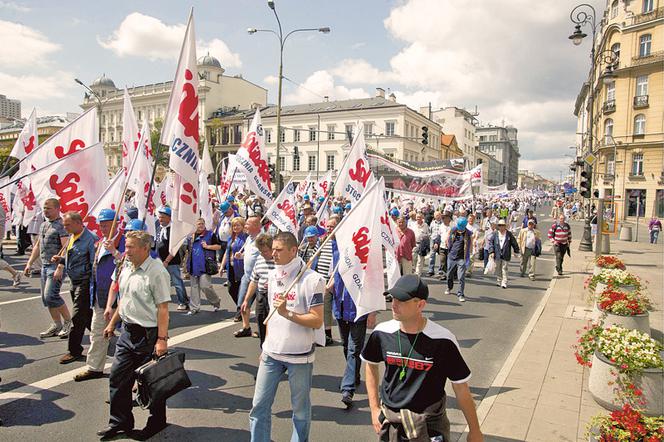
{"points": [[600, 287], [651, 382], [596, 270], [637, 322]]}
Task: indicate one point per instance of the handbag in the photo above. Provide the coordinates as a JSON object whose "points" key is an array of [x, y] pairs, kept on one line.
{"points": [[161, 378], [211, 266]]}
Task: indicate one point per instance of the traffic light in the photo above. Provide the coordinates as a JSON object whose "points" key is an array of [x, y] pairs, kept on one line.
{"points": [[596, 193], [271, 169], [585, 183], [425, 135]]}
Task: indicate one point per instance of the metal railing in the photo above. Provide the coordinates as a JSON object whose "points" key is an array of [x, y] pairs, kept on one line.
{"points": [[609, 106], [653, 57], [648, 16], [640, 101]]}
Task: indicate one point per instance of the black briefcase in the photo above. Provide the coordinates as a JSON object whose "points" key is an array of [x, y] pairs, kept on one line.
{"points": [[161, 378]]}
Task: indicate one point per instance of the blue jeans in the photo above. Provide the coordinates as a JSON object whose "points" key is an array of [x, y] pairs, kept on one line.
{"points": [[244, 286], [178, 283], [460, 266], [267, 380], [352, 338], [50, 288], [442, 268], [653, 236]]}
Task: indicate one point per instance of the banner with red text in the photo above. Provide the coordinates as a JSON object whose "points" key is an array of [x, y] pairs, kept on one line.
{"points": [[282, 212], [251, 159], [355, 175]]}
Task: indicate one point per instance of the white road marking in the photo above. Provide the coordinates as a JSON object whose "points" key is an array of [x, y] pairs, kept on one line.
{"points": [[68, 376], [20, 300]]}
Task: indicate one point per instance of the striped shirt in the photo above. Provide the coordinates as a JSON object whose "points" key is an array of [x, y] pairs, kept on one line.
{"points": [[325, 260], [560, 233], [261, 272]]}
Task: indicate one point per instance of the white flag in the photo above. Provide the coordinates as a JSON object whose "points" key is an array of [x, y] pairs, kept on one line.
{"points": [[355, 175], [27, 140], [130, 132], [324, 183], [204, 201], [282, 211], [181, 134], [360, 253], [476, 175], [251, 160], [109, 199], [390, 239], [303, 187], [5, 198], [139, 180]]}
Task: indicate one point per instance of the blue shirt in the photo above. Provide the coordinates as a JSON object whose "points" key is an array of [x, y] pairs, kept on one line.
{"points": [[104, 275], [81, 255], [198, 255]]}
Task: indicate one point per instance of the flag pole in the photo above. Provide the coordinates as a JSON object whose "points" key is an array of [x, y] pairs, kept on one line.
{"points": [[320, 249]]}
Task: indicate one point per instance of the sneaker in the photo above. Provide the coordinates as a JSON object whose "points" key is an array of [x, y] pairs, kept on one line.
{"points": [[238, 317], [329, 341], [532, 278], [182, 307], [560, 272], [191, 312], [53, 330], [347, 399], [66, 328], [461, 298], [447, 291], [429, 274], [16, 279], [498, 283], [504, 286], [243, 333], [216, 308]]}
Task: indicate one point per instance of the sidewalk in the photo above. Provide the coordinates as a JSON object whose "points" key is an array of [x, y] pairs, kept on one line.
{"points": [[542, 393]]}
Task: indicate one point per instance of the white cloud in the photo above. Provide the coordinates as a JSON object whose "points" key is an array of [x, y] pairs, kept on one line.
{"points": [[23, 47], [359, 71], [271, 80], [142, 35], [320, 84], [57, 84], [13, 6]]}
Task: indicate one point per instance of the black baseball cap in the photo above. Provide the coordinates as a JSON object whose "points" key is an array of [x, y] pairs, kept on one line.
{"points": [[409, 287]]}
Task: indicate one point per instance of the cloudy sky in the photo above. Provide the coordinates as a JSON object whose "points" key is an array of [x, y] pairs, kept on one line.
{"points": [[510, 58]]}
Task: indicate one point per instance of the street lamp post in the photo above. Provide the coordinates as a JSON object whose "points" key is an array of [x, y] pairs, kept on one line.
{"points": [[100, 102], [282, 41]]}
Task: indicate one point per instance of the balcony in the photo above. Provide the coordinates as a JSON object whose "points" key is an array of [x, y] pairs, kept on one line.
{"points": [[640, 101], [639, 177], [653, 57], [648, 16], [609, 106]]}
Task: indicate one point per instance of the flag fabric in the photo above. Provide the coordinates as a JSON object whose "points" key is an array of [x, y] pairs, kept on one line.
{"points": [[323, 185], [282, 211], [355, 176], [130, 132], [111, 198], [476, 175], [181, 134], [251, 159], [140, 178], [204, 201], [360, 264], [304, 186], [5, 198], [77, 182], [27, 140], [390, 238], [164, 192]]}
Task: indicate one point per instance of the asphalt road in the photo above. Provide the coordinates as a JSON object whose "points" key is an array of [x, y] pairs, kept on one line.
{"points": [[39, 400]]}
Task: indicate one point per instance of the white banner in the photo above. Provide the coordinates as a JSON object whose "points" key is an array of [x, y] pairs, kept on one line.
{"points": [[130, 134], [251, 160], [324, 183], [390, 239], [360, 252], [282, 211], [181, 133], [355, 175], [28, 139], [204, 201]]}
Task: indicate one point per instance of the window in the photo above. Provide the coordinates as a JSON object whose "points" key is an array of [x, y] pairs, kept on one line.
{"points": [[608, 130], [647, 6], [641, 85], [296, 163], [268, 135], [659, 204], [237, 134], [349, 132], [368, 129], [610, 164], [312, 133], [636, 202], [312, 163], [637, 164], [283, 135], [296, 135], [330, 161], [140, 115], [645, 43], [389, 128], [611, 91], [614, 9], [330, 131], [615, 48], [640, 124], [282, 164]]}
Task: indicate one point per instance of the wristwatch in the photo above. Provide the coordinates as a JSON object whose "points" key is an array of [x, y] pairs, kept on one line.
{"points": [[162, 338], [290, 314]]}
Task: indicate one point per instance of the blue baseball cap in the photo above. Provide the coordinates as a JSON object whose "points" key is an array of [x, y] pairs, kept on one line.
{"points": [[461, 223], [321, 199], [311, 231], [337, 209], [347, 206], [106, 215], [394, 212], [306, 197], [135, 224], [230, 198], [165, 210], [224, 206], [132, 212]]}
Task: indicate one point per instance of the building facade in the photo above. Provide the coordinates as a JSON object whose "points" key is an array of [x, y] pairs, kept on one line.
{"points": [[46, 126], [492, 169], [462, 124], [628, 108], [10, 108], [150, 102], [316, 137], [533, 181], [449, 148], [502, 144]]}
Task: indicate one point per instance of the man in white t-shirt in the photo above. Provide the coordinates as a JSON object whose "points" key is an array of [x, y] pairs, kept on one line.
{"points": [[292, 334]]}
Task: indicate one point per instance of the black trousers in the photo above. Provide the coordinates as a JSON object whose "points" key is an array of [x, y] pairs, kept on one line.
{"points": [[262, 310], [560, 250], [22, 240], [133, 349], [81, 317], [233, 285]]}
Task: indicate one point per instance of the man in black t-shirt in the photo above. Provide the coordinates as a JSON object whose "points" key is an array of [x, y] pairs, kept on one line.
{"points": [[419, 357]]}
